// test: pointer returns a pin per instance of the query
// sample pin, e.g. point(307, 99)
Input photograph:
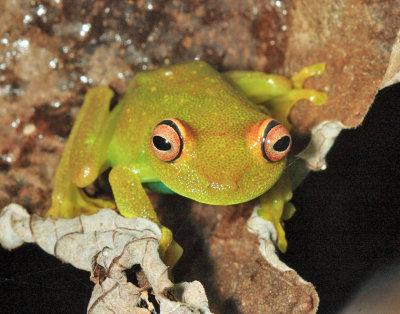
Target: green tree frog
point(188, 129)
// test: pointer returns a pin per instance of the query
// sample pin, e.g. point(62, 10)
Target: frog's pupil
point(161, 143)
point(282, 144)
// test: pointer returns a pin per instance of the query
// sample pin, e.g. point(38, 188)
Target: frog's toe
point(86, 205)
point(312, 70)
point(173, 254)
point(277, 234)
point(92, 207)
point(274, 213)
point(170, 251)
point(165, 241)
point(75, 204)
point(270, 229)
point(281, 241)
point(60, 210)
point(288, 211)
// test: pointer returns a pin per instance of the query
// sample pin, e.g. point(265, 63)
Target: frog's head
point(228, 162)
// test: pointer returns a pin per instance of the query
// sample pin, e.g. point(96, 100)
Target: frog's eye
point(166, 140)
point(276, 140)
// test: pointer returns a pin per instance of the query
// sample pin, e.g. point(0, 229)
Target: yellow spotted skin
point(221, 161)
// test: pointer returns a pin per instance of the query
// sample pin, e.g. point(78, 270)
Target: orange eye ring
point(166, 140)
point(276, 140)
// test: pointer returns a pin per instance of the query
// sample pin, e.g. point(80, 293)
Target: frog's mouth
point(212, 186)
point(215, 193)
point(224, 194)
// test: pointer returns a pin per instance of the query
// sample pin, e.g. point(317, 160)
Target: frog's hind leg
point(278, 93)
point(259, 87)
point(84, 158)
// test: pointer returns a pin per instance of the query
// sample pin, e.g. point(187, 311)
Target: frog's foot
point(273, 223)
point(313, 70)
point(275, 207)
point(173, 254)
point(88, 205)
point(78, 204)
point(274, 231)
point(266, 229)
point(170, 251)
point(288, 211)
point(281, 105)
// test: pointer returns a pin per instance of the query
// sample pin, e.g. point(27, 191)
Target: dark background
point(346, 226)
point(348, 219)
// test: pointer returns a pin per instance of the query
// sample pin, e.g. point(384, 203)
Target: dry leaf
point(106, 244)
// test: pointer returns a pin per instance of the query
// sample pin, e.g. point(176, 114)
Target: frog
point(216, 138)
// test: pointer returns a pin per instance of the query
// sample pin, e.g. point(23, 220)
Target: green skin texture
point(216, 166)
point(221, 162)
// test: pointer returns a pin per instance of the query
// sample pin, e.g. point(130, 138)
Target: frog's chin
point(233, 195)
point(221, 192)
point(223, 200)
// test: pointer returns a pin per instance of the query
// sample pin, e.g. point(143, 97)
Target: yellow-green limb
point(83, 158)
point(275, 207)
point(259, 87)
point(132, 201)
point(280, 106)
point(299, 78)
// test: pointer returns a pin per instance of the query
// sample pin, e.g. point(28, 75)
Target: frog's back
point(192, 92)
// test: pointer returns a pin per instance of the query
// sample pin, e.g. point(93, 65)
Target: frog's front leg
point(132, 201)
point(275, 206)
point(84, 157)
